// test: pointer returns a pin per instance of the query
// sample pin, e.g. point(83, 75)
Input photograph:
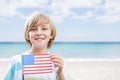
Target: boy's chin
point(39, 46)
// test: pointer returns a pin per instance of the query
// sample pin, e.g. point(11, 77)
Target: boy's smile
point(39, 38)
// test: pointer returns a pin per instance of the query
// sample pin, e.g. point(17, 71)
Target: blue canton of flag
point(28, 60)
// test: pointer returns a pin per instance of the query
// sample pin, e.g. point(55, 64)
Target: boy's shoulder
point(18, 57)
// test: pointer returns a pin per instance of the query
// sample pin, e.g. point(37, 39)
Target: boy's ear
point(51, 37)
point(28, 37)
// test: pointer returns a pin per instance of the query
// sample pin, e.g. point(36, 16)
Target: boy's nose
point(39, 31)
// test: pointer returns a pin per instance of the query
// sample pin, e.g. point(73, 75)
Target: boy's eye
point(44, 28)
point(33, 29)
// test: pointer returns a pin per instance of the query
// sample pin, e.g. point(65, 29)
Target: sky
point(75, 20)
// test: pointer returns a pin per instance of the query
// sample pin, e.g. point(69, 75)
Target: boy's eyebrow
point(45, 25)
point(33, 27)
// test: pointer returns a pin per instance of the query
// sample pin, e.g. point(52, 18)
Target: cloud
point(9, 8)
point(61, 9)
point(111, 10)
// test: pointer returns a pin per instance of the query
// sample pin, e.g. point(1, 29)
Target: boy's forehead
point(43, 24)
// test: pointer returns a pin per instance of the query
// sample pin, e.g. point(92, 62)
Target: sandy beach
point(94, 69)
point(84, 69)
point(3, 67)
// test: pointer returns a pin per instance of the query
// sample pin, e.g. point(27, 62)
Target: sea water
point(67, 49)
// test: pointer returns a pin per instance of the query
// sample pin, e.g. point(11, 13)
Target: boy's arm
point(61, 76)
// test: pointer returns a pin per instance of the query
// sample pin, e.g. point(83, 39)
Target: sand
point(94, 69)
point(84, 69)
point(3, 67)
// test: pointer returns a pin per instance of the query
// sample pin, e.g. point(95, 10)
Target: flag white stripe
point(37, 71)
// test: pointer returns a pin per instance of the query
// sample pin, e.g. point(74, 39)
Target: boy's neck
point(38, 51)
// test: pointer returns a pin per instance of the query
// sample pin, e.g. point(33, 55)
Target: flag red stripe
point(38, 57)
point(41, 60)
point(41, 54)
point(38, 72)
point(43, 63)
point(37, 66)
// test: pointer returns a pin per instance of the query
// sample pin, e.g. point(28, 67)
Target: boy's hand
point(58, 63)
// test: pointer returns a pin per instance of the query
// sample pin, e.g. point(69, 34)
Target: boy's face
point(39, 35)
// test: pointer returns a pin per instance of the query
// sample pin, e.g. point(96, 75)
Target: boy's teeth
point(39, 38)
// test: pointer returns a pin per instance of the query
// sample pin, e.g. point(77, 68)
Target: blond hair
point(39, 18)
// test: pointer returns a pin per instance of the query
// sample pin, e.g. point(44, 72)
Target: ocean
point(67, 49)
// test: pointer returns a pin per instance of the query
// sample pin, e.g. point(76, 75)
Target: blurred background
point(85, 28)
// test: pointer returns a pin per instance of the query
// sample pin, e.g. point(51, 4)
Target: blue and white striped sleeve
point(14, 71)
point(10, 71)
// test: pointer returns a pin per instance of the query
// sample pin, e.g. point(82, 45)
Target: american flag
point(37, 64)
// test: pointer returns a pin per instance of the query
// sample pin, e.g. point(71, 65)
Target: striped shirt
point(33, 67)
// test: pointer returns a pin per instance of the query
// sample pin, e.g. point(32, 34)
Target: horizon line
point(66, 42)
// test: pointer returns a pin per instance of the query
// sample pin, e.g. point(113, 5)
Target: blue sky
point(75, 20)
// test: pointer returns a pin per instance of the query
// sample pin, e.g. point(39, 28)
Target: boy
point(39, 33)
